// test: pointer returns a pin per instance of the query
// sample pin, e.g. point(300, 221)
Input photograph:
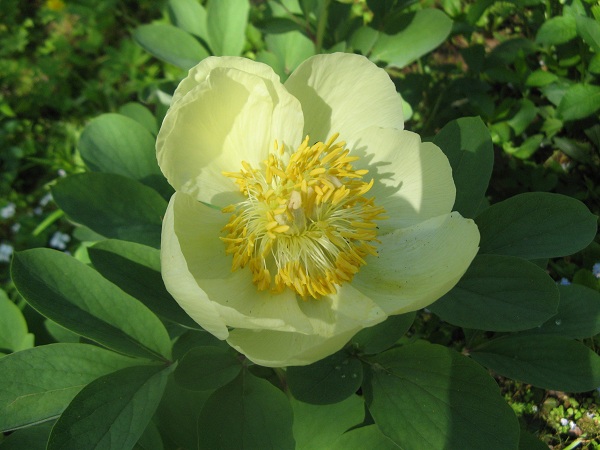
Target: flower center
point(305, 224)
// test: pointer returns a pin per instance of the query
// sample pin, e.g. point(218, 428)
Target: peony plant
point(303, 211)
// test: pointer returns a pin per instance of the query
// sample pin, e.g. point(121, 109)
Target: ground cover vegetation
point(517, 78)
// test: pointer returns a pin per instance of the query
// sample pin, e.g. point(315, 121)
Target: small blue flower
point(6, 251)
point(596, 270)
point(8, 211)
point(564, 282)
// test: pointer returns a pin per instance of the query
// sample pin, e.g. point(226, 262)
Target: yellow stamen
point(305, 225)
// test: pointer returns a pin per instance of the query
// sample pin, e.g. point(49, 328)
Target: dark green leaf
point(580, 101)
point(113, 206)
point(81, 300)
point(329, 380)
point(557, 30)
point(226, 22)
point(111, 412)
point(112, 143)
point(249, 413)
point(190, 16)
point(500, 293)
point(318, 426)
point(421, 32)
point(468, 146)
point(177, 415)
point(369, 437)
point(141, 115)
point(578, 313)
point(290, 48)
point(150, 439)
point(30, 438)
point(528, 441)
point(536, 225)
point(171, 44)
point(383, 335)
point(425, 396)
point(37, 384)
point(589, 30)
point(135, 268)
point(13, 327)
point(207, 368)
point(544, 360)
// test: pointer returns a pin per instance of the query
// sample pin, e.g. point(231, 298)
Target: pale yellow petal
point(418, 265)
point(345, 93)
point(230, 117)
point(413, 179)
point(280, 349)
point(176, 271)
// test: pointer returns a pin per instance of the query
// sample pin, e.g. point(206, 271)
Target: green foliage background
point(509, 90)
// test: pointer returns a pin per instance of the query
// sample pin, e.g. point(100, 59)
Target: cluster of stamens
point(305, 224)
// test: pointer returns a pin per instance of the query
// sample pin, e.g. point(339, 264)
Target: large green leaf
point(425, 396)
point(420, 33)
point(383, 335)
point(557, 30)
point(37, 384)
point(190, 16)
point(111, 412)
point(226, 22)
point(141, 115)
point(468, 145)
point(13, 327)
point(113, 143)
point(290, 49)
point(589, 30)
point(329, 380)
point(580, 101)
point(135, 268)
point(500, 293)
point(77, 297)
point(369, 437)
point(171, 44)
point(30, 438)
point(536, 225)
point(249, 413)
point(546, 361)
point(113, 206)
point(207, 368)
point(578, 313)
point(318, 426)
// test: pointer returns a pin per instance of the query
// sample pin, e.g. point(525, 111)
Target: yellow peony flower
point(303, 211)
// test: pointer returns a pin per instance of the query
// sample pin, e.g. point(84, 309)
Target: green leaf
point(539, 78)
point(468, 146)
point(290, 48)
point(425, 396)
point(135, 268)
point(177, 415)
point(30, 438)
point(249, 413)
point(13, 327)
point(113, 206)
point(544, 360)
point(421, 32)
point(369, 437)
point(111, 412)
point(578, 314)
point(207, 368)
point(536, 225)
point(383, 335)
point(589, 30)
point(226, 22)
point(500, 293)
point(81, 300)
point(170, 44)
point(141, 115)
point(528, 441)
point(557, 30)
point(150, 439)
point(37, 384)
point(329, 380)
point(363, 39)
point(580, 101)
point(112, 143)
point(318, 426)
point(189, 15)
